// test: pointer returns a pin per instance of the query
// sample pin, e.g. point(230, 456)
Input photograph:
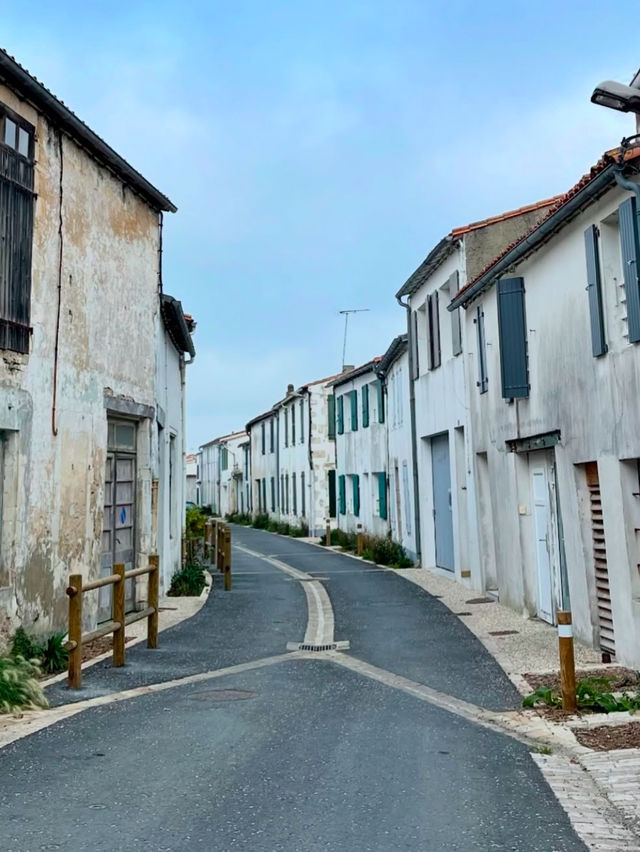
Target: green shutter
point(331, 410)
point(342, 495)
point(356, 495)
point(380, 401)
point(354, 410)
point(340, 415)
point(332, 493)
point(365, 406)
point(382, 494)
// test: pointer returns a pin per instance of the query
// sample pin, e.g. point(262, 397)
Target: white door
point(543, 532)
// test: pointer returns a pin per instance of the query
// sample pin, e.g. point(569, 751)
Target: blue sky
point(318, 150)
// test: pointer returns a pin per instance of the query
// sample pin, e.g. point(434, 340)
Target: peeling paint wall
point(54, 483)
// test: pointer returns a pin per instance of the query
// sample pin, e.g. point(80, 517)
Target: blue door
point(442, 514)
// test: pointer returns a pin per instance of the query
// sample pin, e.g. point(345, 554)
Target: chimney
point(347, 368)
point(289, 389)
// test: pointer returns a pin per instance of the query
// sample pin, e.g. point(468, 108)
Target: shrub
point(19, 687)
point(592, 693)
point(55, 656)
point(189, 581)
point(194, 522)
point(241, 518)
point(388, 552)
point(261, 521)
point(25, 646)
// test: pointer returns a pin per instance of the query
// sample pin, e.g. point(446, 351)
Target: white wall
point(401, 490)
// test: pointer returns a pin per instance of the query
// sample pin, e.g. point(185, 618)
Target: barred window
point(16, 229)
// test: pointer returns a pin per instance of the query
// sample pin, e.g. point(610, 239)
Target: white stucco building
point(263, 455)
point(554, 418)
point(80, 333)
point(393, 369)
point(224, 482)
point(447, 535)
point(361, 450)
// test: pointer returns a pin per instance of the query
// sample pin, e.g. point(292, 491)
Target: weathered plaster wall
point(401, 491)
point(52, 518)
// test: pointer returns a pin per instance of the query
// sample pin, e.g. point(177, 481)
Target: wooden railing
point(119, 619)
point(217, 539)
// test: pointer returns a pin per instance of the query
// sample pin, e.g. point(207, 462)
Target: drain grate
point(480, 600)
point(503, 632)
point(304, 647)
point(463, 613)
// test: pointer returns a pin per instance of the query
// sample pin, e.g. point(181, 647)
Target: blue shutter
point(342, 495)
point(594, 288)
point(365, 406)
point(628, 218)
point(341, 415)
point(354, 410)
point(356, 495)
point(380, 390)
point(513, 338)
point(382, 494)
point(331, 413)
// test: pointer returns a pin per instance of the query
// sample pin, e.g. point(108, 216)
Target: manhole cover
point(223, 695)
point(480, 600)
point(503, 632)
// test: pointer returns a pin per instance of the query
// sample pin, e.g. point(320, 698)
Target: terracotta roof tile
point(529, 208)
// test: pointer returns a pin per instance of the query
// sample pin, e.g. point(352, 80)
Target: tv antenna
point(346, 323)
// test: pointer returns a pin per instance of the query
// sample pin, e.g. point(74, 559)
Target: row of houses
point(498, 438)
point(93, 356)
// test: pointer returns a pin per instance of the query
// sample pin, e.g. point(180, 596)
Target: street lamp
point(617, 96)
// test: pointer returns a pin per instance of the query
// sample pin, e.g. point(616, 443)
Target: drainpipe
point(625, 183)
point(414, 437)
point(311, 510)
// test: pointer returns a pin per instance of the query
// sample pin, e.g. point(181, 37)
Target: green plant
point(189, 581)
point(55, 656)
point(543, 695)
point(261, 521)
point(592, 693)
point(25, 646)
point(241, 518)
point(19, 687)
point(194, 523)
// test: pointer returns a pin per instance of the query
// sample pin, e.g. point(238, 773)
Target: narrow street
point(375, 746)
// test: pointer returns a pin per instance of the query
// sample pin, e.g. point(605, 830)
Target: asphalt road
point(298, 755)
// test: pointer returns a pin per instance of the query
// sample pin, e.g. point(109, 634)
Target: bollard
point(154, 587)
point(74, 591)
point(360, 540)
point(227, 559)
point(567, 662)
point(327, 533)
point(118, 615)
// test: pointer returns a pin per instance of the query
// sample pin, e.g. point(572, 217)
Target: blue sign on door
point(123, 515)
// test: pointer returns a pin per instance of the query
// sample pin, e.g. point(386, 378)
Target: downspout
point(414, 437)
point(56, 350)
point(625, 183)
point(312, 490)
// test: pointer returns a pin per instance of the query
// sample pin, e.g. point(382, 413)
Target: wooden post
point(567, 662)
point(118, 615)
point(327, 533)
point(220, 548)
point(74, 590)
point(154, 587)
point(184, 551)
point(360, 540)
point(227, 559)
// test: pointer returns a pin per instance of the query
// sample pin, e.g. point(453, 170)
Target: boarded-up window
point(16, 229)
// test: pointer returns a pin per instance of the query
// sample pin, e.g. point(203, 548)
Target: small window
point(24, 142)
point(10, 129)
point(122, 436)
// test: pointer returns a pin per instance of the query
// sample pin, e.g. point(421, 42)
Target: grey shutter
point(594, 288)
point(456, 328)
point(415, 367)
point(483, 377)
point(513, 338)
point(431, 347)
point(629, 244)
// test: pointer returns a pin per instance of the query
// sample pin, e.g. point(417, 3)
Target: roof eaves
point(18, 78)
point(587, 190)
point(432, 261)
point(176, 325)
point(369, 367)
point(398, 347)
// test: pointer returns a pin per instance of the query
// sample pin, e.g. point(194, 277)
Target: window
point(382, 495)
point(293, 425)
point(262, 431)
point(342, 494)
point(271, 435)
point(512, 330)
point(16, 229)
point(224, 458)
point(483, 378)
point(630, 250)
point(294, 495)
point(594, 289)
point(365, 406)
point(286, 426)
point(353, 397)
point(331, 415)
point(340, 416)
point(303, 496)
point(302, 421)
point(433, 326)
point(273, 494)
